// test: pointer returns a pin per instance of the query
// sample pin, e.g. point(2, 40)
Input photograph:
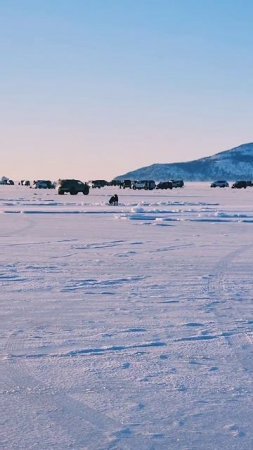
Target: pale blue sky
point(95, 88)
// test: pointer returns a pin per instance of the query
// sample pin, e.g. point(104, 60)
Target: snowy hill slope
point(233, 164)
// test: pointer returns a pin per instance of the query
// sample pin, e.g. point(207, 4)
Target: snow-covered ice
point(126, 327)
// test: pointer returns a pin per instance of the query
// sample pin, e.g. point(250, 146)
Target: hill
point(233, 164)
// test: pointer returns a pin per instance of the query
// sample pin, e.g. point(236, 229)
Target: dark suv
point(239, 185)
point(72, 186)
point(177, 183)
point(164, 185)
point(220, 184)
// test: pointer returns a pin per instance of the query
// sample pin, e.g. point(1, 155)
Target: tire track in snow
point(29, 223)
point(85, 426)
point(240, 342)
point(67, 413)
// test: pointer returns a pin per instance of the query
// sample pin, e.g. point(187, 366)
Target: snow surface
point(126, 327)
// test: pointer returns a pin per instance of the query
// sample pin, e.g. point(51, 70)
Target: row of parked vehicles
point(73, 186)
point(38, 184)
point(137, 184)
point(241, 184)
point(149, 185)
point(63, 186)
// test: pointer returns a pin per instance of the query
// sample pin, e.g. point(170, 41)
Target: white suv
point(144, 184)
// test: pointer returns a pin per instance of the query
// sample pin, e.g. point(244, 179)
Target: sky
point(95, 88)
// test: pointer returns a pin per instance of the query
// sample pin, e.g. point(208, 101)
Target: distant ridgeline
point(233, 164)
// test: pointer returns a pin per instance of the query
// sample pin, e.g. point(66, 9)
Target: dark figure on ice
point(114, 200)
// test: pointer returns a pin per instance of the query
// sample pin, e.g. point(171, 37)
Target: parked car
point(177, 183)
point(164, 185)
point(6, 181)
point(72, 187)
point(150, 185)
point(98, 183)
point(144, 184)
point(115, 183)
point(249, 183)
point(239, 185)
point(220, 184)
point(43, 184)
point(138, 184)
point(127, 184)
point(25, 183)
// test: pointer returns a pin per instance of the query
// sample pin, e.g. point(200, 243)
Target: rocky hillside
point(233, 164)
